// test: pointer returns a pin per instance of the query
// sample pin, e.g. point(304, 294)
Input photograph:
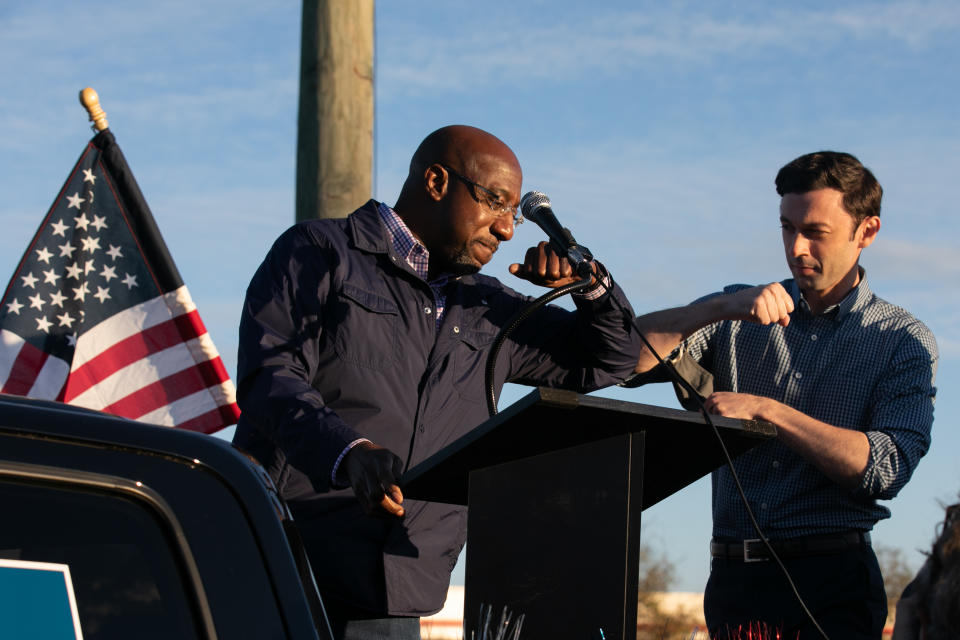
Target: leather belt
point(755, 550)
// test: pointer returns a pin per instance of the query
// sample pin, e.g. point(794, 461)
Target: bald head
point(459, 146)
point(460, 178)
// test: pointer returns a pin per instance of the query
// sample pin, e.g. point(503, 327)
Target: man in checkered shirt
point(848, 380)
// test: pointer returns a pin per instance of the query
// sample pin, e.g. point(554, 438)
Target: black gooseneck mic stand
point(535, 206)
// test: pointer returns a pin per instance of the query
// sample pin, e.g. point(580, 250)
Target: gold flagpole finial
point(91, 102)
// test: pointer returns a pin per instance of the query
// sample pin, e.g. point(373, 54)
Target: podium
point(555, 485)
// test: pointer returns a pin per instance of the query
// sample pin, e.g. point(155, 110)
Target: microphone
point(535, 206)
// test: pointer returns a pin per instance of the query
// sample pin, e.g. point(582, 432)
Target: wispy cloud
point(171, 66)
point(609, 42)
point(917, 262)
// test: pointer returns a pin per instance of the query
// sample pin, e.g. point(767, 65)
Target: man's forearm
point(664, 330)
point(841, 454)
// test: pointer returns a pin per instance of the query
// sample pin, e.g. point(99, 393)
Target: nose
point(502, 227)
point(795, 244)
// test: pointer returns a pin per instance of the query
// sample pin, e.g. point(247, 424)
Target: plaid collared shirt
point(862, 364)
point(416, 255)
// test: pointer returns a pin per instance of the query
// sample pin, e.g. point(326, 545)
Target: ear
point(436, 182)
point(867, 232)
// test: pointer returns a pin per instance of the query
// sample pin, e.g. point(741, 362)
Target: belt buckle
point(746, 551)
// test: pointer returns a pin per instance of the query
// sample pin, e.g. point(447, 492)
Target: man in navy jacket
point(362, 350)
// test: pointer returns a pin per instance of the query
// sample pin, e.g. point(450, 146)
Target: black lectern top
point(680, 446)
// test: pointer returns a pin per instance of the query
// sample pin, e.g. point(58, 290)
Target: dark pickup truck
point(149, 532)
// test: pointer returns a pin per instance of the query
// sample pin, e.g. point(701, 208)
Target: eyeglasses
point(491, 198)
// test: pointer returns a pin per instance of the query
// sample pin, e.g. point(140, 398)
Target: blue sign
point(37, 602)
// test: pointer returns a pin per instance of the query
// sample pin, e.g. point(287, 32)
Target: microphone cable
point(538, 203)
point(676, 377)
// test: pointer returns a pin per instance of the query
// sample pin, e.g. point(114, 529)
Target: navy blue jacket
point(336, 344)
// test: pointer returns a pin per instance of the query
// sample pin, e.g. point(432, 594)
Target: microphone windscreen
point(531, 202)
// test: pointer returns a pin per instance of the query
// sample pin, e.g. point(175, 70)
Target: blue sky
point(655, 128)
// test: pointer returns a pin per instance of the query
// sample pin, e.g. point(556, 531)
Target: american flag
point(97, 315)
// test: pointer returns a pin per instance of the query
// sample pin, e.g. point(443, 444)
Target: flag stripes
point(164, 391)
point(171, 358)
point(28, 371)
point(96, 313)
point(131, 351)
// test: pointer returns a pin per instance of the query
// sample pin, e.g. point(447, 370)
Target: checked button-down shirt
point(862, 364)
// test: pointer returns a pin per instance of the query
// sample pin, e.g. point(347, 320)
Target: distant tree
point(897, 573)
point(657, 574)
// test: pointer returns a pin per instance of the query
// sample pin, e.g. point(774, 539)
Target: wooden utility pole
point(335, 123)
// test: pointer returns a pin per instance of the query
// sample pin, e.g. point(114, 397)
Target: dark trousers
point(844, 591)
point(350, 623)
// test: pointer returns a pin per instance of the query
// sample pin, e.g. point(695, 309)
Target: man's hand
point(543, 266)
point(766, 304)
point(742, 406)
point(373, 473)
point(842, 454)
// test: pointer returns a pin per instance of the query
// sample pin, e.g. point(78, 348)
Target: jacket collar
point(366, 230)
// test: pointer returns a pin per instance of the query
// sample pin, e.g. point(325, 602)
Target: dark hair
point(834, 170)
point(928, 607)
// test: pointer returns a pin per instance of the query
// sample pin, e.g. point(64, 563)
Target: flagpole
point(91, 102)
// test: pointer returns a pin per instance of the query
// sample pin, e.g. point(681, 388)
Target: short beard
point(460, 264)
point(463, 269)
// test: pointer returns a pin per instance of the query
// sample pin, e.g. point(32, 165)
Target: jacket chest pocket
point(470, 361)
point(366, 328)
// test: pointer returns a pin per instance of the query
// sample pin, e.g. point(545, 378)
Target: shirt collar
point(855, 299)
point(403, 241)
point(407, 246)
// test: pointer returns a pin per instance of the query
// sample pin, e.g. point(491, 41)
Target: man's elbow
point(645, 362)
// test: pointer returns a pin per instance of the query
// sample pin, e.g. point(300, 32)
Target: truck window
point(126, 573)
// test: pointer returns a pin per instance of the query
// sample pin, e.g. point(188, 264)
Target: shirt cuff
point(336, 482)
point(600, 287)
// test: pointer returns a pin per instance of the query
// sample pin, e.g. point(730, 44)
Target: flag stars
point(82, 221)
point(89, 177)
point(99, 222)
point(74, 270)
point(79, 293)
point(88, 267)
point(66, 250)
point(72, 339)
point(43, 324)
point(29, 280)
point(114, 252)
point(108, 273)
point(102, 294)
point(57, 298)
point(59, 229)
point(14, 307)
point(36, 302)
point(91, 244)
point(50, 277)
point(130, 281)
point(75, 200)
point(44, 255)
point(66, 320)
